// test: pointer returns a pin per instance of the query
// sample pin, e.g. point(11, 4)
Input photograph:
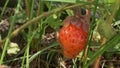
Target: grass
point(47, 17)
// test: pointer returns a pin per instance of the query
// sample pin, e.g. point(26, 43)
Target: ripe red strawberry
point(73, 36)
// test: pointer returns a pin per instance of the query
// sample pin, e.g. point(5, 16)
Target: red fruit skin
point(72, 37)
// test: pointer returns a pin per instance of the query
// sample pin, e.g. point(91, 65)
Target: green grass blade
point(39, 52)
point(4, 8)
point(68, 1)
point(9, 33)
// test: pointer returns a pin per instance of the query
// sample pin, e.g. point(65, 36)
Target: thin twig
point(97, 62)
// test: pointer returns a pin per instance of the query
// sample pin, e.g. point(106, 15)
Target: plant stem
point(115, 8)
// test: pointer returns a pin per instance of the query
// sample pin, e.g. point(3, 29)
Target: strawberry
point(73, 36)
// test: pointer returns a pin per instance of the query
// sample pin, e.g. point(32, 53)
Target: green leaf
point(105, 29)
point(109, 1)
point(53, 21)
point(69, 12)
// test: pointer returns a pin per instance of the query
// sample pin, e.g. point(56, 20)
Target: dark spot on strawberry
point(73, 40)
